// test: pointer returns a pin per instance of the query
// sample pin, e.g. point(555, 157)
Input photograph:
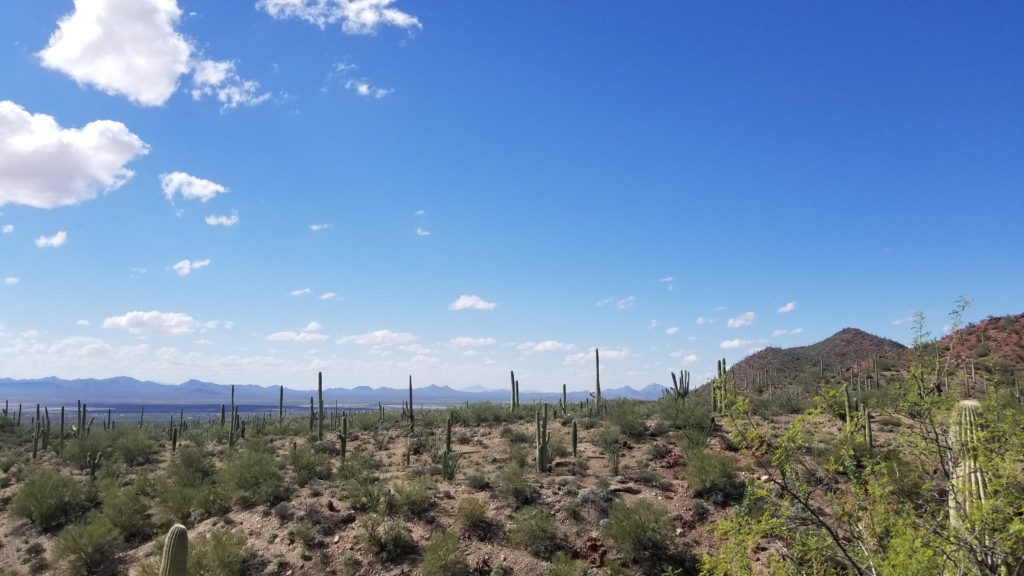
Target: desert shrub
point(367, 493)
point(126, 508)
point(513, 483)
point(471, 516)
point(692, 413)
point(640, 531)
point(477, 480)
point(219, 553)
point(609, 440)
point(519, 454)
point(787, 401)
point(712, 476)
point(587, 423)
point(660, 428)
point(174, 503)
point(49, 499)
point(252, 477)
point(7, 462)
point(78, 450)
point(515, 435)
point(564, 565)
point(443, 557)
point(557, 447)
point(534, 530)
point(91, 546)
point(305, 535)
point(479, 413)
point(135, 446)
point(389, 541)
point(658, 450)
point(309, 465)
point(628, 417)
point(190, 467)
point(356, 464)
point(450, 465)
point(413, 496)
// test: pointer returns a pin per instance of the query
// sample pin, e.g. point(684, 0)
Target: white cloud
point(355, 16)
point(83, 323)
point(901, 321)
point(152, 323)
point(329, 296)
point(736, 343)
point(219, 79)
point(603, 302)
point(7, 228)
point(45, 166)
point(186, 267)
point(300, 292)
point(469, 342)
point(126, 47)
point(365, 89)
point(789, 307)
point(653, 324)
point(626, 302)
point(421, 231)
point(319, 227)
point(379, 338)
point(784, 332)
point(11, 280)
point(471, 302)
point(225, 220)
point(420, 212)
point(550, 346)
point(588, 356)
point(55, 241)
point(745, 319)
point(311, 333)
point(702, 320)
point(669, 281)
point(687, 356)
point(189, 187)
point(672, 330)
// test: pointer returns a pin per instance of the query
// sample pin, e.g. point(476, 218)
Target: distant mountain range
point(126, 390)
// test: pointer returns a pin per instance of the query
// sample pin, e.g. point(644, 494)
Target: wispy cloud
point(702, 320)
point(186, 267)
point(671, 330)
point(55, 241)
point(626, 302)
point(745, 319)
point(364, 88)
point(329, 296)
point(469, 342)
point(356, 16)
point(788, 307)
point(319, 227)
point(300, 292)
point(379, 338)
point(421, 231)
point(225, 220)
point(11, 280)
point(152, 323)
point(784, 332)
point(687, 356)
point(7, 228)
point(669, 282)
point(471, 302)
point(218, 78)
point(736, 343)
point(311, 333)
point(546, 346)
point(189, 187)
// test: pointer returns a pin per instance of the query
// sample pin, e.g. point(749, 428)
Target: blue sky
point(251, 192)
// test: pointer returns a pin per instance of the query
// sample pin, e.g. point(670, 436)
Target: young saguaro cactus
point(174, 561)
point(575, 438)
point(542, 439)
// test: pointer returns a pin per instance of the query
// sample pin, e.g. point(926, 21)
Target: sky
point(251, 192)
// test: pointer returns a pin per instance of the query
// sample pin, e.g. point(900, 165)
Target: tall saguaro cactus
point(280, 405)
point(320, 399)
point(681, 386)
point(174, 561)
point(412, 418)
point(542, 439)
point(968, 486)
point(596, 394)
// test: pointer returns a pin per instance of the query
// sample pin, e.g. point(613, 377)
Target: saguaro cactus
point(174, 561)
point(680, 386)
point(597, 382)
point(575, 438)
point(280, 405)
point(412, 417)
point(869, 438)
point(343, 436)
point(968, 486)
point(320, 398)
point(542, 439)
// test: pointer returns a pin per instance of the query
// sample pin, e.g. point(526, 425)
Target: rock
point(764, 478)
point(628, 489)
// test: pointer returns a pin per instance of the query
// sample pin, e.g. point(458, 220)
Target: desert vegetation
point(897, 462)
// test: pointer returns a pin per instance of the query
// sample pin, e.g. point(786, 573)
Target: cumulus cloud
point(588, 356)
point(788, 307)
point(225, 220)
point(319, 227)
point(784, 332)
point(7, 228)
point(364, 88)
point(421, 231)
point(55, 241)
point(152, 323)
point(468, 342)
point(218, 78)
point(745, 319)
point(672, 330)
point(11, 280)
point(329, 296)
point(300, 292)
point(379, 338)
point(186, 267)
point(311, 333)
point(687, 356)
point(546, 346)
point(82, 323)
point(471, 302)
point(736, 343)
point(125, 47)
point(43, 165)
point(356, 16)
point(190, 187)
point(420, 212)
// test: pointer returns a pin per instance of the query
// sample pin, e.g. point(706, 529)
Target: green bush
point(477, 480)
point(628, 417)
point(609, 440)
point(787, 401)
point(190, 467)
point(413, 496)
point(534, 530)
point(367, 493)
point(49, 499)
point(175, 504)
point(389, 541)
point(134, 445)
point(443, 557)
point(712, 476)
point(309, 465)
point(471, 516)
point(126, 508)
point(252, 477)
point(513, 483)
point(564, 565)
point(641, 531)
point(91, 546)
point(219, 553)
